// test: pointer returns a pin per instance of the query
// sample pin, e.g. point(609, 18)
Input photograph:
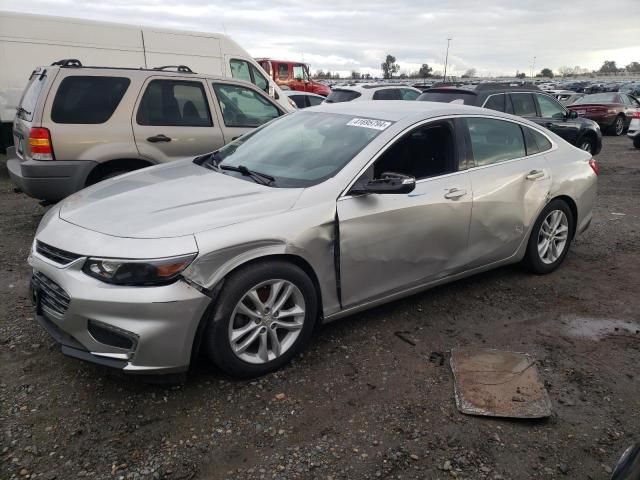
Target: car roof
point(396, 110)
point(372, 86)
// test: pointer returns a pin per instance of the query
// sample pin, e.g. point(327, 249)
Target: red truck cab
point(294, 75)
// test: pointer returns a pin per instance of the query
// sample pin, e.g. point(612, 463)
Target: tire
point(587, 144)
point(258, 281)
point(550, 260)
point(617, 127)
point(636, 141)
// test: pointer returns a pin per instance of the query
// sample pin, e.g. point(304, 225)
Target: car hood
point(171, 200)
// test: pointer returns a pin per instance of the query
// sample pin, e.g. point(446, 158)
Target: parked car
point(631, 88)
point(304, 99)
point(312, 217)
point(294, 75)
point(612, 111)
point(27, 40)
point(79, 125)
point(372, 91)
point(634, 129)
point(565, 97)
point(529, 102)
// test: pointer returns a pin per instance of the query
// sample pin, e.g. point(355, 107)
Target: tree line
point(389, 68)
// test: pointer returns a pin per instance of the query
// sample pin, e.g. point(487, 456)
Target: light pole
point(446, 60)
point(533, 66)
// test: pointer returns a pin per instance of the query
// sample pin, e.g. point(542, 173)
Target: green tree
point(633, 67)
point(520, 75)
point(546, 73)
point(389, 67)
point(425, 71)
point(609, 66)
point(470, 73)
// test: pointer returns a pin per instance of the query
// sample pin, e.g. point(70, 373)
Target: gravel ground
point(360, 402)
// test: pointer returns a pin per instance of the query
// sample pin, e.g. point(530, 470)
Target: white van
point(29, 40)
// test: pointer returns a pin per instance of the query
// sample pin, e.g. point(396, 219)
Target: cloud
point(493, 36)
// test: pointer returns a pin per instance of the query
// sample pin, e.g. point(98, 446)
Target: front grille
point(54, 254)
point(52, 297)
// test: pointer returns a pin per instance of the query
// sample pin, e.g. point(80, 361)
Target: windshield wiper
point(258, 177)
point(22, 110)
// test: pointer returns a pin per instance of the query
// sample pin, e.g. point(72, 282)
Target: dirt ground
point(361, 402)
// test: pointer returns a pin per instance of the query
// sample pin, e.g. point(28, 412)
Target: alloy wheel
point(553, 236)
point(619, 126)
point(266, 321)
point(586, 146)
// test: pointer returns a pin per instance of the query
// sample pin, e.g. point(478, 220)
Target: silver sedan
point(314, 216)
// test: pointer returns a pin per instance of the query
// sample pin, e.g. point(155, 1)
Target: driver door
point(392, 242)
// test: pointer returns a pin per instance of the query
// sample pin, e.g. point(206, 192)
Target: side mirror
point(572, 114)
point(389, 182)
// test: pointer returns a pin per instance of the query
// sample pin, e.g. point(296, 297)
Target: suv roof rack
point(179, 68)
point(507, 86)
point(68, 63)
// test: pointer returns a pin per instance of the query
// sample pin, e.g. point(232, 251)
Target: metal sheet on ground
point(498, 384)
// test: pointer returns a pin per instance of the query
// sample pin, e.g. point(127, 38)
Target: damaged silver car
point(312, 217)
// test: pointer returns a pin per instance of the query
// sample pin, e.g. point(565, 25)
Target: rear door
point(172, 119)
point(509, 187)
point(242, 108)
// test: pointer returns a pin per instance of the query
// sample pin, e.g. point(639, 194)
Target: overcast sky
point(495, 37)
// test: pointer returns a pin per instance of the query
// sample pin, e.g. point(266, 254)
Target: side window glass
point(240, 69)
point(87, 99)
point(387, 94)
point(174, 103)
point(495, 102)
point(283, 71)
point(427, 151)
point(261, 82)
point(313, 101)
point(409, 94)
point(549, 108)
point(298, 72)
point(244, 107)
point(508, 104)
point(494, 141)
point(298, 100)
point(530, 141)
point(543, 142)
point(523, 104)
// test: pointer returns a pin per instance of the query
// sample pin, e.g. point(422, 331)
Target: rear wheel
point(636, 141)
point(265, 315)
point(550, 238)
point(617, 128)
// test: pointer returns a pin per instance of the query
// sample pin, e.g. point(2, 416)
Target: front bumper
point(50, 180)
point(161, 321)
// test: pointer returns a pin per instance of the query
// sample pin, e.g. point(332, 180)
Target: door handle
point(158, 138)
point(535, 175)
point(455, 193)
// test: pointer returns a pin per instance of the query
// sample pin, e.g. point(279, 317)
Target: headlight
point(160, 271)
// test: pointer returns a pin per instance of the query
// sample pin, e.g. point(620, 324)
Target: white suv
point(378, 91)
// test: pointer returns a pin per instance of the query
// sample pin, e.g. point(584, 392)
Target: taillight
point(636, 114)
point(40, 142)
point(593, 163)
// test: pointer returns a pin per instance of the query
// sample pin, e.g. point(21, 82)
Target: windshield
point(598, 98)
point(301, 149)
point(339, 96)
point(468, 98)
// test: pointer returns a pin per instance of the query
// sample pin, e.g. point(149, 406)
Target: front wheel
point(550, 238)
point(265, 315)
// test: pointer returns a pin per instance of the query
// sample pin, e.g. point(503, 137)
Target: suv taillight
point(593, 163)
point(40, 142)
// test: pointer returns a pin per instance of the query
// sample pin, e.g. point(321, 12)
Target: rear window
point(31, 94)
point(467, 98)
point(338, 96)
point(88, 99)
point(387, 94)
point(599, 98)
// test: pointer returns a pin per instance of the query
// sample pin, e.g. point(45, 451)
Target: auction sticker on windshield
point(369, 123)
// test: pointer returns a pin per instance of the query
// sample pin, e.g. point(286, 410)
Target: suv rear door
point(173, 119)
